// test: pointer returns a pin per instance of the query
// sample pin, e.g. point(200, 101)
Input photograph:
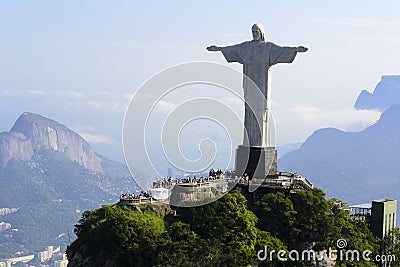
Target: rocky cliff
point(386, 94)
point(32, 133)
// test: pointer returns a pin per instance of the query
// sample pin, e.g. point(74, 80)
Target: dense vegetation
point(227, 232)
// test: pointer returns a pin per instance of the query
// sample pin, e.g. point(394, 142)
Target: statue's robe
point(257, 58)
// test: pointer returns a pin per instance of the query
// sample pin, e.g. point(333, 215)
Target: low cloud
point(98, 100)
point(97, 138)
point(344, 118)
point(127, 96)
point(106, 105)
point(296, 123)
point(36, 92)
point(69, 94)
point(164, 107)
point(102, 93)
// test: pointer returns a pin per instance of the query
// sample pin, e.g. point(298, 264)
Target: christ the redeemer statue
point(257, 157)
point(257, 56)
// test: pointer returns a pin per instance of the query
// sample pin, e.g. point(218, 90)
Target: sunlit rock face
point(32, 133)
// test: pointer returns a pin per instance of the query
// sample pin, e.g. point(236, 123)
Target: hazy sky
point(79, 62)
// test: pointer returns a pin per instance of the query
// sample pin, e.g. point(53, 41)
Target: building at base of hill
point(379, 214)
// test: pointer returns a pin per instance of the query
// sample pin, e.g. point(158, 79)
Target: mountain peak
point(34, 118)
point(42, 133)
point(27, 120)
point(386, 93)
point(346, 162)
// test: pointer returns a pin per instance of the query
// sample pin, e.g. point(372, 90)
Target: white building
point(4, 226)
point(50, 251)
point(10, 262)
point(57, 250)
point(61, 263)
point(5, 264)
point(43, 256)
point(5, 211)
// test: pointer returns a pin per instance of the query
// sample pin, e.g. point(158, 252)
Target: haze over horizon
point(80, 64)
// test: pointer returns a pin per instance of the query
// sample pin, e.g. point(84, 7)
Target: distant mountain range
point(51, 174)
point(356, 167)
point(386, 94)
point(286, 148)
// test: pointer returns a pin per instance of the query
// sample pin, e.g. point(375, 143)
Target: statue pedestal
point(256, 162)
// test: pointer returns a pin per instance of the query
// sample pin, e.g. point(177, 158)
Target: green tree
point(391, 246)
point(265, 244)
point(276, 215)
point(312, 218)
point(115, 234)
point(228, 224)
point(180, 249)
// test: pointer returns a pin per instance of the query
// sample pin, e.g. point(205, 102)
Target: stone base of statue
point(256, 162)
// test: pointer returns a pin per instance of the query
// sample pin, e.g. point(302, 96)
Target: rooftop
point(361, 206)
point(383, 200)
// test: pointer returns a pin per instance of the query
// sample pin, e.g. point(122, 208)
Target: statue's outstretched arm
point(231, 53)
point(301, 49)
point(213, 48)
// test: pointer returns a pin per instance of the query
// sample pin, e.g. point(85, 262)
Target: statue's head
point(258, 32)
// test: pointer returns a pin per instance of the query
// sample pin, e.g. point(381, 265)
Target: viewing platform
point(132, 199)
point(181, 190)
point(286, 182)
point(283, 181)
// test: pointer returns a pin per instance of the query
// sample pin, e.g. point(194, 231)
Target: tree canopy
point(226, 232)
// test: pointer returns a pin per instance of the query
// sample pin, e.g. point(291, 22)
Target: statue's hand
point(213, 48)
point(301, 49)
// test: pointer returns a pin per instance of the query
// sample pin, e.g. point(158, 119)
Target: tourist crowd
point(169, 181)
point(142, 195)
